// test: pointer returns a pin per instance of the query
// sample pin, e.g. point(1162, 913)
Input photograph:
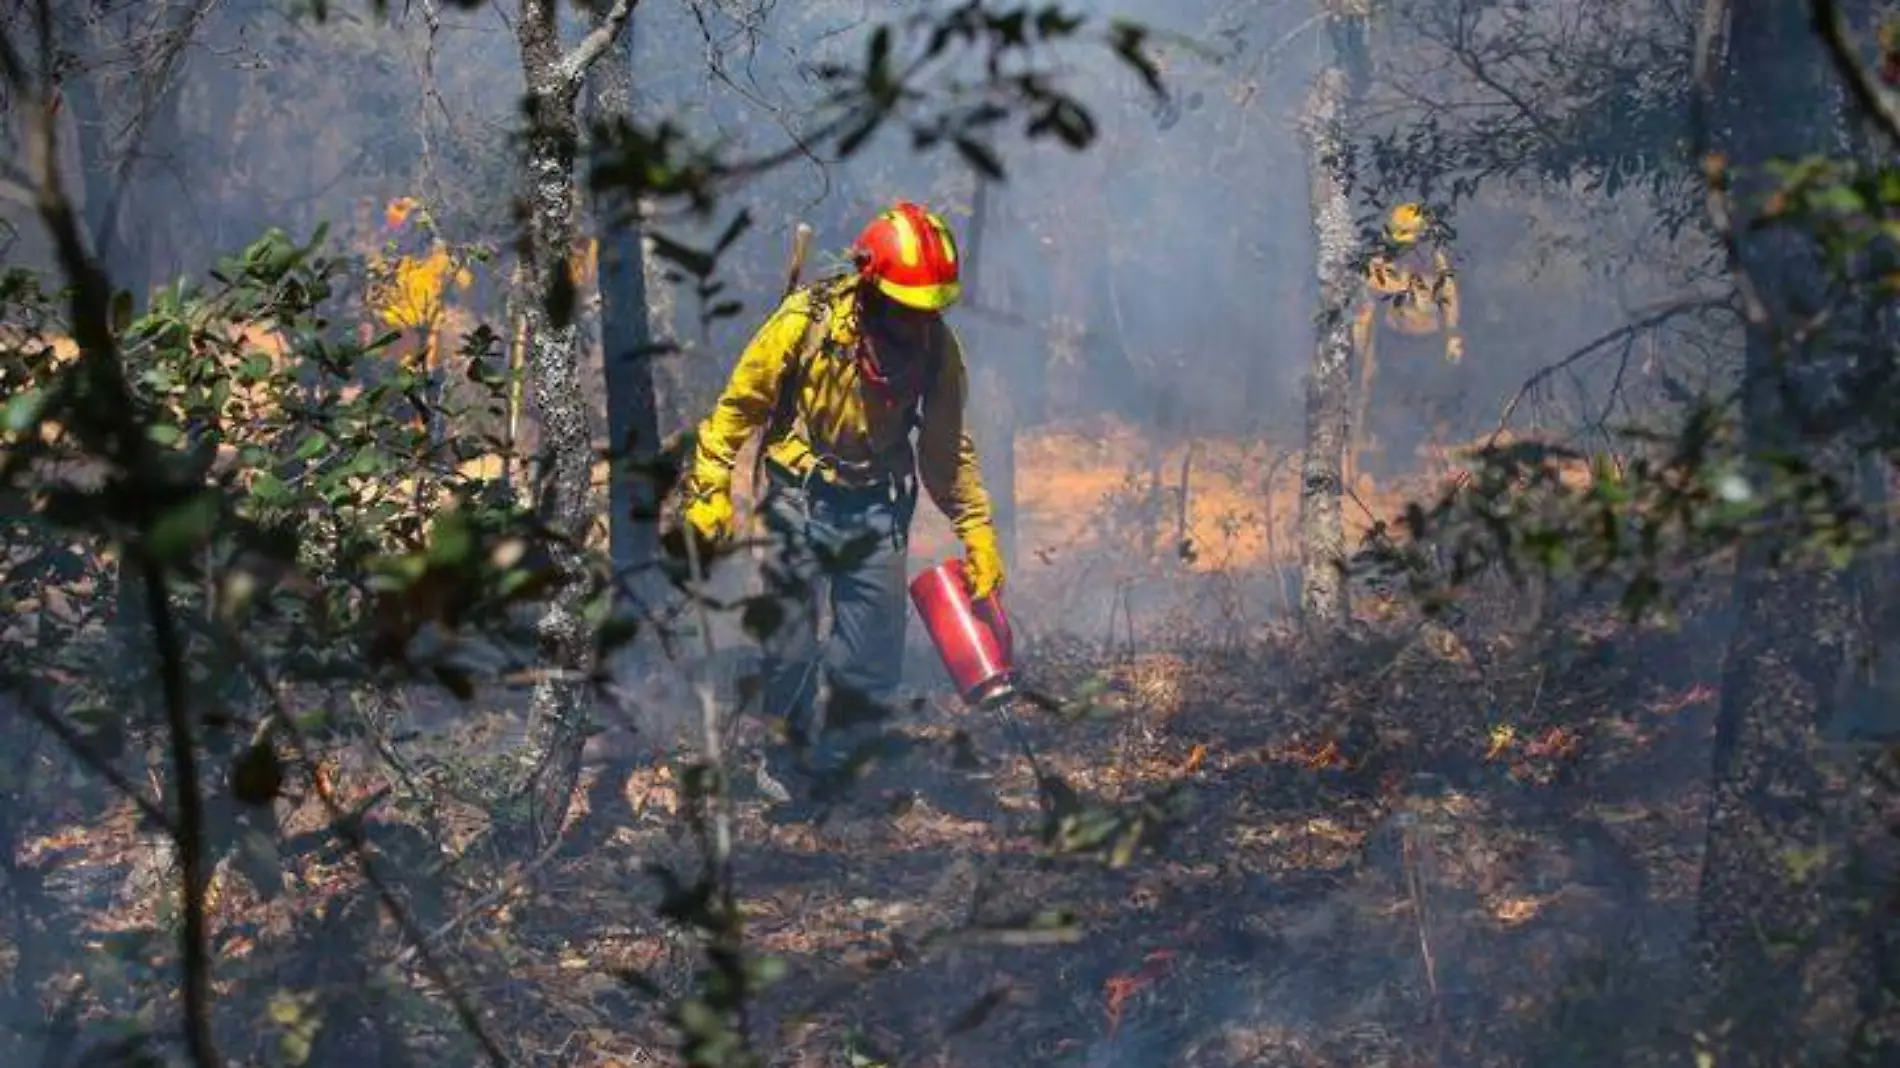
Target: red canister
point(973, 637)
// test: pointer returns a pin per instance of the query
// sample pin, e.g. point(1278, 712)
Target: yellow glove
point(709, 515)
point(1454, 349)
point(982, 562)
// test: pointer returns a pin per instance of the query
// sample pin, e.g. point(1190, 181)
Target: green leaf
point(452, 540)
point(981, 157)
point(1053, 23)
point(256, 367)
point(164, 434)
point(23, 409)
point(183, 527)
point(767, 970)
point(739, 225)
point(312, 446)
point(1128, 39)
point(269, 489)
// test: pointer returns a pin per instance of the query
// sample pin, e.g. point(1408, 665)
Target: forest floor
point(1412, 850)
point(1407, 849)
point(1375, 871)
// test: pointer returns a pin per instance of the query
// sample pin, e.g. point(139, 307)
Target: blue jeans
point(850, 547)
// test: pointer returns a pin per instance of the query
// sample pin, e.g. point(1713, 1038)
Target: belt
point(819, 483)
point(836, 477)
point(834, 473)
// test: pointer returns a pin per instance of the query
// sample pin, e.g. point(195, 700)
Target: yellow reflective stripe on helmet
point(908, 247)
point(925, 298)
point(943, 235)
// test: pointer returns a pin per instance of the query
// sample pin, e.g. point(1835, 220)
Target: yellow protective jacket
point(1418, 291)
point(838, 415)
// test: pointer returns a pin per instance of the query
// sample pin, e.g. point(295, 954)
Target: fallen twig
point(281, 720)
point(78, 746)
point(481, 904)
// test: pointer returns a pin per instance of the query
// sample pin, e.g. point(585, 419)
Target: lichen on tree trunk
point(546, 766)
point(1324, 601)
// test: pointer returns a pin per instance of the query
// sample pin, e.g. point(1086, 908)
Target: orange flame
point(1118, 989)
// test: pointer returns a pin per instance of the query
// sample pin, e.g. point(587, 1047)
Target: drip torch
point(973, 637)
point(977, 646)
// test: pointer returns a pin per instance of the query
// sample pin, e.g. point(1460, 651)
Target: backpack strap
point(785, 404)
point(940, 341)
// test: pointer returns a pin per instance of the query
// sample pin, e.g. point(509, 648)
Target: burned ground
point(1473, 851)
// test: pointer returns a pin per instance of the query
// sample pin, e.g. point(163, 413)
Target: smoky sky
point(1178, 245)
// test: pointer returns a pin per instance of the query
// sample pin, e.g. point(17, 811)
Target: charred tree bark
point(549, 762)
point(1775, 937)
point(626, 335)
point(1327, 122)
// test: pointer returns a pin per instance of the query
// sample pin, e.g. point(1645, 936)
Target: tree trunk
point(1774, 936)
point(996, 416)
point(549, 764)
point(1330, 108)
point(626, 335)
point(516, 303)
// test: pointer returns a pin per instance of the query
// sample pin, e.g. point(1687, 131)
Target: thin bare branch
point(191, 819)
point(1715, 173)
point(591, 47)
point(1595, 345)
point(77, 744)
point(283, 721)
point(89, 307)
point(480, 905)
point(158, 73)
point(1871, 98)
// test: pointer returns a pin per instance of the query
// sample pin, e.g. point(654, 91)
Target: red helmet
point(908, 252)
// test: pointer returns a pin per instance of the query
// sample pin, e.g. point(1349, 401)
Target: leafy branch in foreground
point(1530, 508)
point(262, 475)
point(1685, 498)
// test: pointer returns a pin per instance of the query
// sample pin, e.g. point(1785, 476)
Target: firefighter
point(838, 381)
point(1411, 287)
